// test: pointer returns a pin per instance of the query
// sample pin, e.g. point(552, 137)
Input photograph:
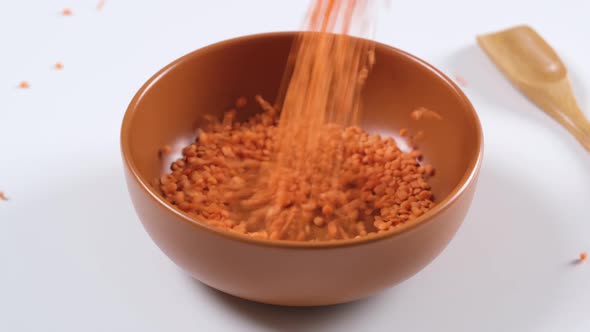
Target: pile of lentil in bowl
point(228, 179)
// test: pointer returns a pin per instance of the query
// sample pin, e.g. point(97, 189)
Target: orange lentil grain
point(66, 12)
point(328, 210)
point(58, 66)
point(583, 256)
point(416, 114)
point(166, 149)
point(2, 196)
point(318, 221)
point(461, 80)
point(100, 4)
point(425, 113)
point(241, 102)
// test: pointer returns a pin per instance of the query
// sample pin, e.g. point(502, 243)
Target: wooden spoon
point(534, 67)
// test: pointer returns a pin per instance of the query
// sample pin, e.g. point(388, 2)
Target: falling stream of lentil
point(319, 96)
point(302, 169)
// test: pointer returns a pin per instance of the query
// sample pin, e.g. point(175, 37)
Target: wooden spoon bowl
point(536, 69)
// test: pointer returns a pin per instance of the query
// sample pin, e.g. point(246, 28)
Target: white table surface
point(74, 257)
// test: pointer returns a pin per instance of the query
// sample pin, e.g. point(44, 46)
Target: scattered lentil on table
point(100, 5)
point(461, 80)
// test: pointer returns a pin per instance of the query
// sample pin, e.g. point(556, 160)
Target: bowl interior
point(169, 108)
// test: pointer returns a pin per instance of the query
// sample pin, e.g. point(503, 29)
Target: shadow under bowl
point(167, 109)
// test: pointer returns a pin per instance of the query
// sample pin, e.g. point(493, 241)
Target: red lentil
point(166, 149)
point(100, 5)
point(241, 102)
point(222, 179)
point(424, 113)
point(461, 80)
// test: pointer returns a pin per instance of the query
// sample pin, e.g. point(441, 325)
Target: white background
point(74, 257)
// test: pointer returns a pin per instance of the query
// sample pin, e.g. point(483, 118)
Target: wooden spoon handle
point(557, 100)
point(576, 124)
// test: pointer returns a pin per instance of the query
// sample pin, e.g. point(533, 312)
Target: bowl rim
point(467, 178)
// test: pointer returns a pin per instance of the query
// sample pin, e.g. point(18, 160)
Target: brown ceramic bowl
point(166, 108)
